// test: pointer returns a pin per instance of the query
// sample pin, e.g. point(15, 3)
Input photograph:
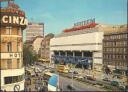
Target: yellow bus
point(63, 68)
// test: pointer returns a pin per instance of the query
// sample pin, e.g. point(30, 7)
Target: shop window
point(8, 80)
point(13, 79)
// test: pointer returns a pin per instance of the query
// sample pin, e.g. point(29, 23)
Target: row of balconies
point(9, 38)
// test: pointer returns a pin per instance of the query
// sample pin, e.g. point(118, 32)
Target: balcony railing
point(8, 38)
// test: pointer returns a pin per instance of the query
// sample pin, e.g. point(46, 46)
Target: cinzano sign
point(17, 20)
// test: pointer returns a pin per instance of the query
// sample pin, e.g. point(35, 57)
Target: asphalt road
point(63, 82)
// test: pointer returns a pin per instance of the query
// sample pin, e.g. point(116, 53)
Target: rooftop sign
point(86, 22)
point(82, 25)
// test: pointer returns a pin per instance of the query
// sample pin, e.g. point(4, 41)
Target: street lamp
point(72, 72)
point(72, 75)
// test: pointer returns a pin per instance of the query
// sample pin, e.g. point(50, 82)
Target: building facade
point(45, 47)
point(115, 49)
point(33, 30)
point(13, 22)
point(81, 43)
point(36, 44)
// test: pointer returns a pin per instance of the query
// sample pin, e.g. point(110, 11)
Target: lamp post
point(72, 74)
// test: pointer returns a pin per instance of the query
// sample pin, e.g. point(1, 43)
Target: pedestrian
point(29, 89)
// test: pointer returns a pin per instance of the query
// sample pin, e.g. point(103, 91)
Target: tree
point(50, 35)
point(29, 56)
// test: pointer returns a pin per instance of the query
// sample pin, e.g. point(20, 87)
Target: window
point(125, 57)
point(8, 80)
point(113, 56)
point(19, 47)
point(13, 79)
point(9, 64)
point(19, 31)
point(18, 63)
point(8, 30)
point(125, 43)
point(9, 47)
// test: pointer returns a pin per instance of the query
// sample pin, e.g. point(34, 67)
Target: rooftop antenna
point(6, 1)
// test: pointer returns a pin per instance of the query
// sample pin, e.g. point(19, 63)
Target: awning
point(53, 80)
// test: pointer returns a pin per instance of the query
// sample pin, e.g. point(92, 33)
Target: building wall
point(33, 30)
point(11, 61)
point(115, 49)
point(91, 41)
point(8, 73)
point(37, 44)
point(45, 47)
point(11, 58)
point(88, 41)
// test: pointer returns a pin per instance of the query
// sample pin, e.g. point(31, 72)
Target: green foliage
point(29, 56)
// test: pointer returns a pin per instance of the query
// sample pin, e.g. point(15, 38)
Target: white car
point(38, 70)
point(71, 71)
point(78, 77)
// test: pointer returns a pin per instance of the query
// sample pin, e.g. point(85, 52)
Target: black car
point(52, 71)
point(75, 72)
point(70, 87)
point(114, 83)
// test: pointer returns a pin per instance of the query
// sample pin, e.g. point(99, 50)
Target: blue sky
point(58, 15)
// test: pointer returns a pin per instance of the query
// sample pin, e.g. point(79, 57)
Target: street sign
point(17, 88)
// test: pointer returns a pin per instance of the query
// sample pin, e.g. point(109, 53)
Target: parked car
point(70, 71)
point(78, 77)
point(70, 87)
point(52, 71)
point(106, 79)
point(114, 83)
point(75, 72)
point(126, 88)
point(90, 77)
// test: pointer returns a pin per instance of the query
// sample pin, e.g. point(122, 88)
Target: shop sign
point(17, 20)
point(14, 55)
point(10, 55)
